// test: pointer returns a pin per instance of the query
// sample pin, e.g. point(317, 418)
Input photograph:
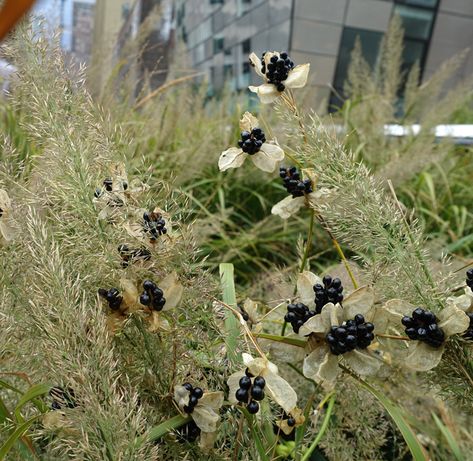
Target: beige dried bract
point(321, 365)
point(316, 199)
point(172, 292)
point(206, 412)
point(418, 355)
point(268, 92)
point(277, 388)
point(266, 159)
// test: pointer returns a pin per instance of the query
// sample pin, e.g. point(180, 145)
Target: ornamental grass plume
point(108, 314)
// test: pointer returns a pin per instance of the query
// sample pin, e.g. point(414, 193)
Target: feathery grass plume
point(374, 102)
point(368, 220)
point(56, 330)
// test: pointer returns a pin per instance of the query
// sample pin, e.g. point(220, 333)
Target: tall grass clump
point(122, 341)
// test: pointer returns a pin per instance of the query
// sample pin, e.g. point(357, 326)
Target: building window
point(228, 52)
point(246, 68)
point(246, 46)
point(228, 70)
point(216, 2)
point(218, 45)
point(417, 22)
point(421, 3)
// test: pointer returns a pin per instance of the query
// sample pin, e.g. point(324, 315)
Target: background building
point(219, 34)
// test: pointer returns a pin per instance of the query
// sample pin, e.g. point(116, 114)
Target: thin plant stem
point(339, 250)
point(309, 241)
point(248, 332)
point(323, 428)
point(400, 338)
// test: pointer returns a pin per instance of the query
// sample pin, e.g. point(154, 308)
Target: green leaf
point(417, 450)
point(232, 326)
point(447, 433)
point(31, 394)
point(16, 435)
point(158, 431)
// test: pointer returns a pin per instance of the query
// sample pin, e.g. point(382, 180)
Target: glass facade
point(417, 18)
point(370, 42)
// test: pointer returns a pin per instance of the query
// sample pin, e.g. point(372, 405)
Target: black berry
point(145, 299)
point(197, 392)
point(252, 407)
point(245, 382)
point(469, 278)
point(188, 386)
point(423, 326)
point(257, 393)
point(112, 296)
point(242, 395)
point(291, 422)
point(251, 142)
point(297, 315)
point(330, 292)
point(152, 295)
point(293, 183)
point(259, 381)
point(352, 334)
point(277, 69)
point(154, 225)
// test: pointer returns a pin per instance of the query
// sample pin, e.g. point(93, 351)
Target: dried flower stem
point(245, 327)
point(339, 250)
point(400, 338)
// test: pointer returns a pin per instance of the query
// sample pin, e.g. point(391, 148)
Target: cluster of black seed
point(330, 292)
point(152, 296)
point(277, 69)
point(112, 296)
point(1, 212)
point(188, 433)
point(154, 224)
point(250, 392)
point(423, 326)
point(251, 142)
point(297, 315)
point(130, 255)
point(293, 183)
point(195, 394)
point(351, 334)
point(108, 185)
point(62, 398)
point(469, 277)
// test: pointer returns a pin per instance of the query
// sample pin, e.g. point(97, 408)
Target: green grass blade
point(447, 433)
point(16, 435)
point(232, 325)
point(158, 431)
point(31, 394)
